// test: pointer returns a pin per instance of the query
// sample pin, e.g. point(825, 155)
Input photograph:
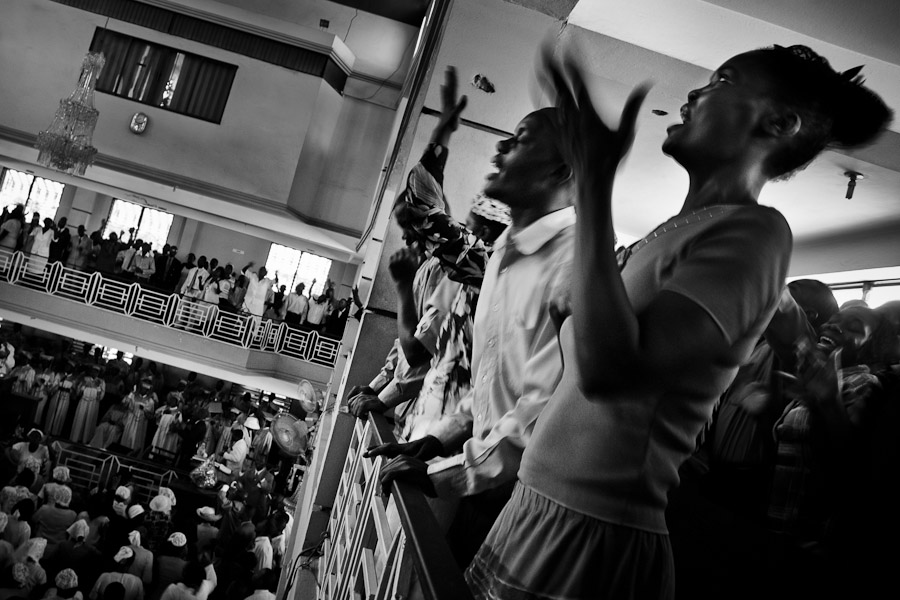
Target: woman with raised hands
point(657, 332)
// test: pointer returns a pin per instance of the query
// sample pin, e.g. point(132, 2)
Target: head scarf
point(66, 580)
point(161, 504)
point(168, 493)
point(32, 549)
point(61, 474)
point(135, 511)
point(20, 573)
point(178, 539)
point(62, 495)
point(134, 538)
point(123, 554)
point(79, 529)
point(124, 492)
point(492, 210)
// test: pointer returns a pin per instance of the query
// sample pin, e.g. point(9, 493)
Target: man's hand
point(409, 469)
point(362, 404)
point(423, 449)
point(403, 265)
point(451, 108)
point(356, 390)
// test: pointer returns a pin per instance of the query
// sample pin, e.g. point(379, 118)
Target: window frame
point(34, 179)
point(137, 228)
point(160, 80)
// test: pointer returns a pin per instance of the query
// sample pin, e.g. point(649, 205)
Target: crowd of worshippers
point(128, 407)
point(202, 279)
point(60, 540)
point(664, 420)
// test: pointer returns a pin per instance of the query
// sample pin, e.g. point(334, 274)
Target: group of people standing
point(575, 378)
point(201, 282)
point(61, 540)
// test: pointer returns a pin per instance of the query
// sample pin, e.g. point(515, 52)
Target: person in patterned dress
point(89, 395)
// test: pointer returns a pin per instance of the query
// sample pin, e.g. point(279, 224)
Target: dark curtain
point(140, 71)
point(203, 88)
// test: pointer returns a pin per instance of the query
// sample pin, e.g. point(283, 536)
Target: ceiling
point(410, 12)
point(675, 43)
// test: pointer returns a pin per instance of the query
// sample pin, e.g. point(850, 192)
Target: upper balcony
point(237, 347)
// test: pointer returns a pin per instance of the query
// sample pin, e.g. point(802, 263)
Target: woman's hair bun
point(859, 114)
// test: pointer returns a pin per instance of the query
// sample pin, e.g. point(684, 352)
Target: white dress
point(40, 250)
point(86, 415)
point(58, 408)
point(134, 434)
point(166, 438)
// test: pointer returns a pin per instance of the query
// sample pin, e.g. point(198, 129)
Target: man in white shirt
point(296, 306)
point(234, 458)
point(516, 362)
point(143, 265)
point(258, 287)
point(124, 258)
point(192, 312)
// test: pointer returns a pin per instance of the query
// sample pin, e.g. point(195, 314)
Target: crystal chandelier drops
point(67, 144)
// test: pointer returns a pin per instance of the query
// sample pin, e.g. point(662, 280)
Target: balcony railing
point(380, 547)
point(170, 310)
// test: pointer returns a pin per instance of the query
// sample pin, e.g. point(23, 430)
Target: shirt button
point(504, 270)
point(484, 378)
point(491, 342)
point(496, 307)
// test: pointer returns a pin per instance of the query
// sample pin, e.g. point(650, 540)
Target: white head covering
point(62, 495)
point(134, 538)
point(123, 554)
point(168, 493)
point(135, 511)
point(124, 492)
point(61, 474)
point(490, 209)
point(178, 539)
point(161, 504)
point(79, 529)
point(66, 579)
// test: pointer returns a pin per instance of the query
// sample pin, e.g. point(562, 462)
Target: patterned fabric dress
point(449, 376)
point(134, 434)
point(463, 257)
point(44, 382)
point(85, 421)
point(58, 408)
point(166, 437)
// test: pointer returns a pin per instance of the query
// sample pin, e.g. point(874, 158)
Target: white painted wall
point(280, 130)
point(254, 150)
point(350, 176)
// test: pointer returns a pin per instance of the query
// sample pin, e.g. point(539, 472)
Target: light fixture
point(67, 145)
point(851, 185)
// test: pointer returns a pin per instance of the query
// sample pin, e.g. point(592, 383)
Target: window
point(164, 77)
point(846, 294)
point(35, 193)
point(150, 225)
point(879, 294)
point(293, 266)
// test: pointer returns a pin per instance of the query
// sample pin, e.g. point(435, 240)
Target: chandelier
point(67, 144)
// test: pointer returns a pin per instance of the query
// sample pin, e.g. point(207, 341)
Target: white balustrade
point(194, 316)
point(380, 546)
